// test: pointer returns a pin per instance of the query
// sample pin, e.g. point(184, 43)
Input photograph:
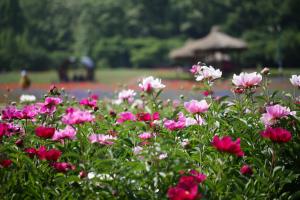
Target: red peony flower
point(62, 166)
point(143, 117)
point(4, 129)
point(278, 134)
point(246, 170)
point(51, 155)
point(31, 152)
point(44, 132)
point(198, 176)
point(226, 144)
point(5, 163)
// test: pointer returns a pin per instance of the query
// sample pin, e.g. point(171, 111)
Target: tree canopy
point(38, 34)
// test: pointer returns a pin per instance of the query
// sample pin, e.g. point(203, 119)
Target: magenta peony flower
point(102, 139)
point(49, 106)
point(90, 103)
point(246, 170)
point(11, 112)
point(44, 154)
point(29, 112)
point(68, 133)
point(278, 134)
point(247, 80)
point(226, 144)
point(63, 166)
point(195, 106)
point(295, 80)
point(4, 129)
point(175, 125)
point(125, 116)
point(275, 112)
point(31, 152)
point(77, 116)
point(149, 84)
point(44, 132)
point(198, 176)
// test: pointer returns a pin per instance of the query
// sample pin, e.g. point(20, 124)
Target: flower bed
point(246, 147)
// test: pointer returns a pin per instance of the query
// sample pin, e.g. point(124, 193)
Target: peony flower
point(162, 156)
point(189, 121)
point(226, 144)
point(198, 176)
point(246, 170)
point(29, 112)
point(4, 129)
point(10, 113)
point(31, 152)
point(150, 83)
point(44, 132)
point(247, 80)
point(145, 135)
point(295, 80)
point(137, 150)
point(125, 116)
point(275, 112)
point(68, 133)
point(6, 163)
point(195, 106)
point(127, 95)
point(195, 69)
point(50, 155)
point(87, 102)
point(102, 139)
point(175, 125)
point(49, 106)
point(77, 116)
point(278, 134)
point(62, 166)
point(208, 73)
point(26, 98)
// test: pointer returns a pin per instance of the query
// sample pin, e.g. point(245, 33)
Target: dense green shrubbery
point(145, 149)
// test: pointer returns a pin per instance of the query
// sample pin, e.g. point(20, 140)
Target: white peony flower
point(27, 98)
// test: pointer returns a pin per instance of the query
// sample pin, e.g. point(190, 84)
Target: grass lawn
point(107, 76)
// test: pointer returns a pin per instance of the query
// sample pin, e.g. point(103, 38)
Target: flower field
point(138, 146)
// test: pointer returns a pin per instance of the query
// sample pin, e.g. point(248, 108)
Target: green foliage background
point(38, 34)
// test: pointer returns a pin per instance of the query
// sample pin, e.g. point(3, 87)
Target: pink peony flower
point(195, 106)
point(29, 112)
point(246, 170)
point(77, 116)
point(189, 121)
point(149, 84)
point(127, 95)
point(102, 139)
point(49, 106)
point(226, 144)
point(44, 132)
point(125, 116)
point(68, 133)
point(11, 112)
point(208, 73)
point(145, 135)
point(195, 69)
point(295, 80)
point(63, 166)
point(278, 134)
point(275, 112)
point(247, 80)
point(175, 125)
point(198, 176)
point(87, 102)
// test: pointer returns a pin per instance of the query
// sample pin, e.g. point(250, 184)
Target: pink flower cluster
point(182, 122)
point(274, 113)
point(246, 80)
point(187, 187)
point(77, 116)
point(9, 129)
point(88, 102)
point(125, 116)
point(205, 72)
point(195, 106)
point(127, 95)
point(43, 153)
point(226, 144)
point(102, 139)
point(27, 112)
point(49, 105)
point(68, 133)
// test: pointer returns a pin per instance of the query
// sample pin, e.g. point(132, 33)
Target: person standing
point(89, 66)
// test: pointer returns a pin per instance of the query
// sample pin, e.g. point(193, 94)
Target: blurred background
point(99, 40)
